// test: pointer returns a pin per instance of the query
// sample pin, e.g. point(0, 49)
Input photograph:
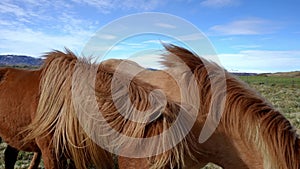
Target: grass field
point(282, 92)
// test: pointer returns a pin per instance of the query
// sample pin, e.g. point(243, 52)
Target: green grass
point(272, 81)
point(282, 92)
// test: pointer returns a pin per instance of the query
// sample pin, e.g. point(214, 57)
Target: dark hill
point(19, 60)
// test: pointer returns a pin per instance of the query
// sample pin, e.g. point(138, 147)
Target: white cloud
point(32, 11)
point(252, 26)
point(192, 37)
point(11, 9)
point(106, 6)
point(165, 25)
point(103, 5)
point(261, 61)
point(34, 29)
point(35, 43)
point(133, 45)
point(218, 3)
point(245, 46)
point(152, 41)
point(106, 36)
point(144, 5)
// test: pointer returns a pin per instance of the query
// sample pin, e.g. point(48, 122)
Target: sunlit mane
point(56, 116)
point(247, 115)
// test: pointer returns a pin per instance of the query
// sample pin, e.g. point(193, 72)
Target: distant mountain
point(295, 74)
point(243, 74)
point(19, 60)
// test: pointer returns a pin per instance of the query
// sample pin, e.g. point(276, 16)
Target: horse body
point(218, 149)
point(18, 102)
point(56, 123)
point(254, 133)
point(251, 133)
point(55, 108)
point(19, 92)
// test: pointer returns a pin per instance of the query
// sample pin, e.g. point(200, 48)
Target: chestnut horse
point(57, 126)
point(251, 133)
point(18, 101)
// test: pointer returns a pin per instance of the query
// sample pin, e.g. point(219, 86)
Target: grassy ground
point(282, 92)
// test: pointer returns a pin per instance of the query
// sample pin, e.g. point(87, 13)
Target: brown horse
point(251, 133)
point(56, 124)
point(18, 98)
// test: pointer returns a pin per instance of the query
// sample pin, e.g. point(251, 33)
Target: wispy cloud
point(252, 26)
point(107, 6)
point(135, 45)
point(156, 42)
point(165, 25)
point(106, 36)
point(34, 43)
point(32, 11)
point(144, 5)
point(245, 46)
point(192, 37)
point(7, 8)
point(29, 26)
point(219, 3)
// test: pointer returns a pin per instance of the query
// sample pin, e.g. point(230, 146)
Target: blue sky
point(248, 36)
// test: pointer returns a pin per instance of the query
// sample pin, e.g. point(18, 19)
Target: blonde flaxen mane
point(247, 116)
point(56, 116)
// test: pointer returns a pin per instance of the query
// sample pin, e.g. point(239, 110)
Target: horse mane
point(247, 115)
point(56, 115)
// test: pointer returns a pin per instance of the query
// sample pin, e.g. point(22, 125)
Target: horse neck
point(224, 151)
point(257, 136)
point(232, 152)
point(219, 149)
point(259, 132)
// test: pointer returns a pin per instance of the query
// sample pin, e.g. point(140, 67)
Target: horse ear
point(178, 55)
